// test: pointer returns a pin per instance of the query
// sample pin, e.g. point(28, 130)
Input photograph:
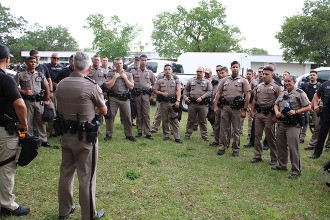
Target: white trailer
point(192, 60)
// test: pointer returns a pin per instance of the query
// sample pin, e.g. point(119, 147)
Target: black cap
point(137, 58)
point(269, 68)
point(4, 51)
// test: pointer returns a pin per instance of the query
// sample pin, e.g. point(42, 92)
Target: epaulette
point(90, 79)
point(300, 90)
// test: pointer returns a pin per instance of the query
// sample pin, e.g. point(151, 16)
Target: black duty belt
point(138, 92)
point(122, 97)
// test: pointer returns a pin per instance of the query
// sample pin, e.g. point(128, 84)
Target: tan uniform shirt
point(120, 87)
point(31, 81)
point(297, 99)
point(143, 79)
point(168, 85)
point(196, 88)
point(99, 75)
point(85, 94)
point(230, 88)
point(266, 94)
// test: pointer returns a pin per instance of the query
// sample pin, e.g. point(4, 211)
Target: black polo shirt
point(8, 94)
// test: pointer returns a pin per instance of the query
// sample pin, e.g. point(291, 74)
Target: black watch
point(245, 109)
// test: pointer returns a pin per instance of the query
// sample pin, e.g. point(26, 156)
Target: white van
point(192, 60)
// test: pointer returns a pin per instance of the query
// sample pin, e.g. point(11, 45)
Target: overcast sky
point(258, 20)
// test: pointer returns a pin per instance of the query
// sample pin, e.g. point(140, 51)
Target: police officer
point(222, 73)
point(13, 106)
point(322, 93)
point(144, 79)
point(120, 83)
point(234, 93)
point(169, 90)
point(79, 147)
point(196, 94)
point(66, 71)
point(262, 110)
point(288, 108)
point(98, 73)
point(310, 88)
point(35, 92)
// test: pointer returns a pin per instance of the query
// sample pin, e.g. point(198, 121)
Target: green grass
point(164, 180)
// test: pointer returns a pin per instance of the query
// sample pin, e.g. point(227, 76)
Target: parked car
point(11, 73)
point(322, 72)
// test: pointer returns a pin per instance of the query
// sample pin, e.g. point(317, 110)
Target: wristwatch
point(245, 109)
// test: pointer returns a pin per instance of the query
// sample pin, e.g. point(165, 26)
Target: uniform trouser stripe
point(91, 184)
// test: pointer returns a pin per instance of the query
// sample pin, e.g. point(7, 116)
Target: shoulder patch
point(300, 90)
point(92, 80)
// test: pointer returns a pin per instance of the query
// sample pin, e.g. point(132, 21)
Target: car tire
point(183, 105)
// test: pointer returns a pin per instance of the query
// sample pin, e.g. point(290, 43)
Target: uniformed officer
point(13, 106)
point(144, 79)
point(169, 90)
point(262, 110)
point(310, 88)
point(196, 94)
point(34, 90)
point(234, 95)
point(120, 83)
point(322, 93)
point(79, 147)
point(288, 108)
point(222, 73)
point(98, 73)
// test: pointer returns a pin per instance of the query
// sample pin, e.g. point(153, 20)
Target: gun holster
point(91, 131)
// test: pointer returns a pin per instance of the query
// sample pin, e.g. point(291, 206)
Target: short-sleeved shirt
point(196, 88)
point(266, 94)
point(171, 85)
point(233, 87)
point(99, 75)
point(85, 95)
point(31, 81)
point(53, 70)
point(63, 74)
point(8, 94)
point(143, 79)
point(120, 86)
point(297, 99)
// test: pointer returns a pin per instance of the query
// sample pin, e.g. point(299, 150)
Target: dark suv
point(322, 72)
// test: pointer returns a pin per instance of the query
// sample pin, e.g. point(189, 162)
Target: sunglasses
point(56, 58)
point(259, 71)
point(199, 71)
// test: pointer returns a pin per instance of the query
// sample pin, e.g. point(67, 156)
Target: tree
point(306, 36)
point(44, 39)
point(256, 51)
point(10, 25)
point(202, 29)
point(112, 38)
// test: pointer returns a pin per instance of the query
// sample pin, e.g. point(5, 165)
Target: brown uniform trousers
point(8, 148)
point(78, 155)
point(169, 116)
point(287, 136)
point(124, 106)
point(194, 89)
point(265, 95)
point(231, 88)
point(157, 118)
point(143, 79)
point(33, 81)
